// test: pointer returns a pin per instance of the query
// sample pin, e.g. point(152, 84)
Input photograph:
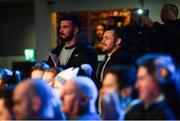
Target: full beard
point(67, 38)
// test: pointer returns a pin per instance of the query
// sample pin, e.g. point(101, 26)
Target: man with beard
point(112, 46)
point(72, 50)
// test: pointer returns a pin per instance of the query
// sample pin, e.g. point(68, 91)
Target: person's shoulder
point(122, 57)
point(133, 105)
point(57, 49)
point(90, 116)
point(133, 110)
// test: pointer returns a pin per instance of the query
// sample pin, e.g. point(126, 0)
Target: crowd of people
point(126, 85)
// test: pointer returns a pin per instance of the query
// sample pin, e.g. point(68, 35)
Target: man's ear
point(118, 41)
point(36, 103)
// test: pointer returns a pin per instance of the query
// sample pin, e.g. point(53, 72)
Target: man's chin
point(63, 39)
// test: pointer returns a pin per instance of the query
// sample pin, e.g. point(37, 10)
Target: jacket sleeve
point(90, 57)
point(55, 51)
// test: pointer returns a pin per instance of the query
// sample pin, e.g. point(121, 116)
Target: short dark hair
point(118, 32)
point(173, 8)
point(126, 75)
point(73, 18)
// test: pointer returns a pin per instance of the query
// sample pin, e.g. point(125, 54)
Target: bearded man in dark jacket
point(72, 50)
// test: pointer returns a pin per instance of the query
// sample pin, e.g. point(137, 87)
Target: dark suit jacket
point(119, 57)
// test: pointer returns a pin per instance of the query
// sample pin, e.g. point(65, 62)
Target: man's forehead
point(23, 87)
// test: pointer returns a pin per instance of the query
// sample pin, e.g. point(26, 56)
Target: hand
point(55, 59)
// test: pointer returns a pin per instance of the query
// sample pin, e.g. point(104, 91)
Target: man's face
point(4, 111)
point(36, 74)
point(108, 42)
point(167, 14)
point(146, 84)
point(66, 30)
point(22, 105)
point(70, 99)
point(110, 83)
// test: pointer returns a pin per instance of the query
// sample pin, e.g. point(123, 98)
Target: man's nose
point(60, 30)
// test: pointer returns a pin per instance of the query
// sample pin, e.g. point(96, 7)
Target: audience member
point(153, 73)
point(38, 70)
point(78, 99)
point(112, 46)
point(118, 80)
point(72, 50)
point(32, 100)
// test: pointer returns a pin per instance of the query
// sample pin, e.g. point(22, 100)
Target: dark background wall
point(17, 27)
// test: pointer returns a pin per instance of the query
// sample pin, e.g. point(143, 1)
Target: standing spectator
point(112, 46)
point(167, 34)
point(72, 50)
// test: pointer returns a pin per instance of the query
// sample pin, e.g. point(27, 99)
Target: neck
point(71, 43)
point(113, 50)
point(152, 100)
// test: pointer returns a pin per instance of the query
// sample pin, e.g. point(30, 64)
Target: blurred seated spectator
point(70, 74)
point(9, 79)
point(155, 73)
point(38, 70)
point(50, 74)
point(62, 77)
point(33, 100)
point(6, 105)
point(116, 92)
point(78, 99)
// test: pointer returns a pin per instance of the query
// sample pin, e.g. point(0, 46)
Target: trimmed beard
point(66, 38)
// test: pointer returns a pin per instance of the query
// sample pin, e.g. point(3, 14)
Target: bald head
point(32, 99)
point(79, 96)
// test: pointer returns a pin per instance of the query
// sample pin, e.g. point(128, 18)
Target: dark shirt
point(157, 111)
point(82, 54)
point(118, 57)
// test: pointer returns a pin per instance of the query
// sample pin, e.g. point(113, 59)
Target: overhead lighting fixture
point(140, 11)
